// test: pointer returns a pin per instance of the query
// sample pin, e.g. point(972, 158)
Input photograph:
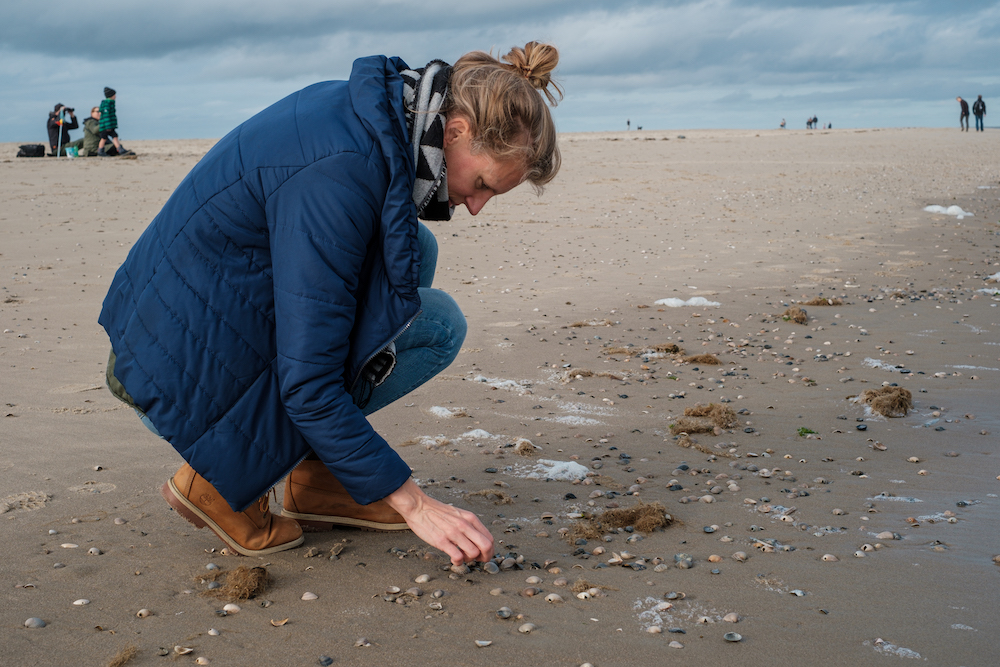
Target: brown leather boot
point(315, 499)
point(253, 532)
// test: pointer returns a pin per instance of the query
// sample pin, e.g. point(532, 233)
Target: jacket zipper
point(382, 348)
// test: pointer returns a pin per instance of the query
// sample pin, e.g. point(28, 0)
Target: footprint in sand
point(93, 487)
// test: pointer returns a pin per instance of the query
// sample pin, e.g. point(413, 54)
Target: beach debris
point(795, 314)
point(684, 561)
point(34, 622)
point(592, 323)
point(705, 419)
point(703, 359)
point(675, 595)
point(566, 471)
point(643, 517)
point(498, 497)
point(693, 301)
point(242, 583)
point(123, 656)
point(820, 301)
point(888, 401)
point(950, 210)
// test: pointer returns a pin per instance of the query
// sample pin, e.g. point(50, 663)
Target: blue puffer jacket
point(282, 263)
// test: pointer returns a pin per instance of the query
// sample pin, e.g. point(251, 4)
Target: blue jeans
point(979, 123)
point(432, 340)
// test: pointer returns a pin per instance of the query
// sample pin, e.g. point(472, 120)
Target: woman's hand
point(458, 533)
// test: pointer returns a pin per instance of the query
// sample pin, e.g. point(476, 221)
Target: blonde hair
point(503, 103)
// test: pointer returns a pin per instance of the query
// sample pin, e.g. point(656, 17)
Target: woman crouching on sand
point(284, 293)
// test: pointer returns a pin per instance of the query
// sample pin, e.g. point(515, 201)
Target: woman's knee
point(440, 308)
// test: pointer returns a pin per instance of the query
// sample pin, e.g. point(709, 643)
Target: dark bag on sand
point(31, 150)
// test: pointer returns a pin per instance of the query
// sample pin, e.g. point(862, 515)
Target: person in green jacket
point(109, 125)
point(91, 133)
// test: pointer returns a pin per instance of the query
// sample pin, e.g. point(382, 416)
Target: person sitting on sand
point(283, 293)
point(92, 133)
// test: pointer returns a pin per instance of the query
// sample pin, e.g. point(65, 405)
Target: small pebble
point(34, 622)
point(325, 660)
point(212, 585)
point(53, 531)
point(211, 566)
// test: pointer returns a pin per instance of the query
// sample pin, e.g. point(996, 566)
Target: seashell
point(232, 608)
point(94, 551)
point(527, 628)
point(654, 629)
point(839, 512)
point(69, 545)
point(460, 569)
point(583, 595)
point(496, 591)
point(415, 592)
point(674, 595)
point(120, 521)
point(561, 581)
point(507, 563)
point(554, 598)
point(626, 555)
point(436, 606)
point(504, 612)
point(438, 594)
point(663, 606)
point(182, 650)
point(530, 591)
point(913, 459)
point(859, 554)
point(211, 566)
point(797, 592)
point(661, 567)
point(422, 579)
point(786, 518)
point(675, 644)
point(732, 636)
point(392, 590)
point(490, 567)
point(615, 560)
point(34, 622)
point(731, 617)
point(309, 596)
point(483, 643)
point(704, 620)
point(143, 613)
point(362, 643)
point(829, 558)
point(922, 472)
point(533, 580)
point(280, 623)
point(598, 551)
point(213, 632)
point(726, 539)
point(201, 661)
point(554, 570)
point(740, 556)
point(886, 535)
point(710, 529)
point(714, 558)
point(707, 499)
point(81, 602)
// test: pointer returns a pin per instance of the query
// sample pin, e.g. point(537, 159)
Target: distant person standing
point(109, 125)
point(58, 127)
point(979, 110)
point(963, 120)
point(628, 124)
point(782, 126)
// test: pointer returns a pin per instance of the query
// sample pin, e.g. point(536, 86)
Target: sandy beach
point(859, 539)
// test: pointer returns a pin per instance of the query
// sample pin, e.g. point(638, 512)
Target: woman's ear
point(454, 128)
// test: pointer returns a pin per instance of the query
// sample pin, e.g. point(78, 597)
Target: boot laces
point(262, 502)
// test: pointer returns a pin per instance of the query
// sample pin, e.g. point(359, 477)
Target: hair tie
point(526, 71)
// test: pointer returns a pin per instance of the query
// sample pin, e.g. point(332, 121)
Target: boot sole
point(199, 519)
point(320, 522)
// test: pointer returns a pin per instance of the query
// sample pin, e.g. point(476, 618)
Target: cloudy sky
point(197, 68)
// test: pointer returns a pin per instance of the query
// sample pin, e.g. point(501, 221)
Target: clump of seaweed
point(581, 585)
point(705, 419)
point(690, 443)
point(611, 351)
point(668, 348)
point(525, 447)
point(124, 656)
point(795, 314)
point(592, 323)
point(428, 442)
point(243, 583)
point(888, 401)
point(643, 517)
point(820, 301)
point(498, 497)
point(704, 359)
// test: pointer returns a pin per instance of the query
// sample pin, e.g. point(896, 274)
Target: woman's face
point(473, 178)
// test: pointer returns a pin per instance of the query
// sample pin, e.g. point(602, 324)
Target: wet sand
point(756, 222)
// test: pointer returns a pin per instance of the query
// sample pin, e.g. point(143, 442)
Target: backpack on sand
point(31, 150)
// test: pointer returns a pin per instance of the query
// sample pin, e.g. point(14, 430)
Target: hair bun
point(535, 62)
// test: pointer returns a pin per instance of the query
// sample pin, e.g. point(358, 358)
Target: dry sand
point(757, 222)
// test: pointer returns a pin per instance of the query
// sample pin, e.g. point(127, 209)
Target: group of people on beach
point(98, 130)
point(978, 110)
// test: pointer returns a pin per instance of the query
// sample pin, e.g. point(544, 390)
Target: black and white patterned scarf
point(424, 94)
